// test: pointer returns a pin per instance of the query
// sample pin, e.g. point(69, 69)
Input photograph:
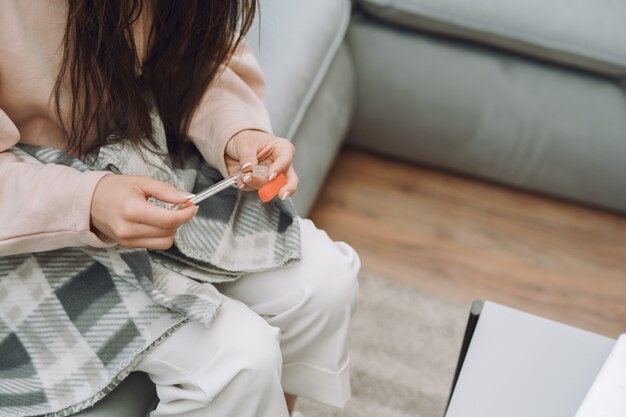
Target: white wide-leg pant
point(282, 330)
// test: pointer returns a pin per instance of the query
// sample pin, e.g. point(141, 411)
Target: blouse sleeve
point(42, 206)
point(232, 103)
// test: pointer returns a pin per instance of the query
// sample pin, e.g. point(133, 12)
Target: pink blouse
point(45, 207)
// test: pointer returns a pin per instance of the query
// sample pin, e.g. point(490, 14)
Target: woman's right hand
point(120, 211)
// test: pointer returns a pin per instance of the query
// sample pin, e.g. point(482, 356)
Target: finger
point(283, 156)
point(248, 163)
point(292, 184)
point(246, 151)
point(161, 217)
point(141, 231)
point(151, 243)
point(162, 191)
point(232, 166)
point(250, 182)
point(243, 187)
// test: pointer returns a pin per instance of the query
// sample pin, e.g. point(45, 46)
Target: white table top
point(521, 365)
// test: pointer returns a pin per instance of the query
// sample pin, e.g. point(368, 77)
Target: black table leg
point(469, 332)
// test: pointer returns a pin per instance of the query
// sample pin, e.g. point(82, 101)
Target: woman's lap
point(294, 318)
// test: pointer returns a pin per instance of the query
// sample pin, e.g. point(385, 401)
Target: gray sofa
point(529, 94)
point(526, 93)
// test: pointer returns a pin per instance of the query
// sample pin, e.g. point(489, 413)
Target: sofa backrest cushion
point(587, 34)
point(295, 42)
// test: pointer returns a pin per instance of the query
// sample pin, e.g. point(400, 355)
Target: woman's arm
point(44, 207)
point(233, 103)
point(47, 206)
point(232, 129)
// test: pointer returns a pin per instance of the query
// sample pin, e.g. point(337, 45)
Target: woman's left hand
point(249, 148)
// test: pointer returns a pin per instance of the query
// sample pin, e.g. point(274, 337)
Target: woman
point(144, 78)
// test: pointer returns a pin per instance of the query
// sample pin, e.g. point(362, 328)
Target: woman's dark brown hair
point(112, 91)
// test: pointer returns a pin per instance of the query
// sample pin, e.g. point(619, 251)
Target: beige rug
point(404, 349)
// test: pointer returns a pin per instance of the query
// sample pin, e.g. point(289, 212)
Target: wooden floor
point(462, 240)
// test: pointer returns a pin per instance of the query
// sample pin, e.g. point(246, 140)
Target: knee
point(260, 359)
point(254, 346)
point(334, 287)
point(238, 353)
point(245, 352)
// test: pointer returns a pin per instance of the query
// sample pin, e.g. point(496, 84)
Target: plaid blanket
point(75, 321)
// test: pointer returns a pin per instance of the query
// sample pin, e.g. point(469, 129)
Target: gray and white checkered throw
point(75, 321)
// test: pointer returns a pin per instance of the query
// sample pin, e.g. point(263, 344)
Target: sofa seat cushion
point(295, 42)
point(587, 34)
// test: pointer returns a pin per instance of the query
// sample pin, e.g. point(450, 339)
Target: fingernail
point(196, 212)
point(274, 174)
point(240, 186)
point(285, 196)
point(186, 195)
point(246, 165)
point(247, 178)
